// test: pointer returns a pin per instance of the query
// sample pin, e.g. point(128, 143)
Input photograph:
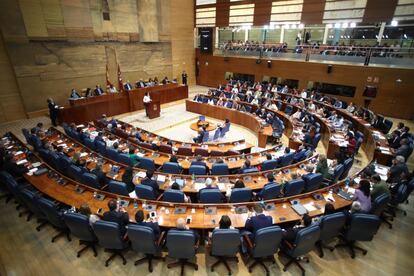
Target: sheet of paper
point(21, 162)
point(19, 152)
point(309, 207)
point(133, 194)
point(199, 186)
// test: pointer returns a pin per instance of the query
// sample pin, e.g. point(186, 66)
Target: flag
point(120, 84)
point(108, 82)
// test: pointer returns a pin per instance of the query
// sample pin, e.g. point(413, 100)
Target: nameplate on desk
point(79, 189)
point(232, 159)
point(317, 197)
point(270, 207)
point(241, 210)
point(247, 178)
point(210, 210)
point(62, 182)
point(223, 180)
point(155, 154)
point(150, 207)
point(299, 209)
point(40, 171)
point(99, 197)
point(123, 203)
point(220, 145)
point(180, 210)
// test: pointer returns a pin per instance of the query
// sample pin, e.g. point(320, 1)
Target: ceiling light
point(345, 25)
point(394, 23)
point(329, 26)
point(353, 24)
point(301, 26)
point(293, 26)
point(337, 25)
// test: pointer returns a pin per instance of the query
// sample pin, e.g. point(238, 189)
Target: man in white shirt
point(146, 101)
point(112, 89)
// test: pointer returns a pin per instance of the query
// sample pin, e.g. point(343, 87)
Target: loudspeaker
point(329, 69)
point(206, 40)
point(269, 64)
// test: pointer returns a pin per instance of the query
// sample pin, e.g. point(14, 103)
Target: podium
point(154, 109)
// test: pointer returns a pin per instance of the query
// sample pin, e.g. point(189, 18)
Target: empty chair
point(29, 198)
point(165, 148)
point(216, 153)
point(171, 167)
point(269, 165)
point(316, 140)
point(91, 180)
point(313, 181)
point(337, 173)
point(347, 167)
point(112, 154)
point(64, 163)
point(201, 151)
point(240, 195)
point(270, 191)
point(110, 237)
point(89, 143)
point(204, 139)
point(54, 216)
point(304, 242)
point(286, 159)
point(219, 169)
point(216, 135)
point(117, 187)
point(331, 227)
point(294, 187)
point(225, 244)
point(171, 195)
point(124, 159)
point(186, 151)
point(145, 192)
point(79, 226)
point(74, 172)
point(100, 147)
point(362, 227)
point(147, 164)
point(197, 170)
point(266, 244)
point(181, 245)
point(387, 125)
point(210, 196)
point(379, 205)
point(143, 241)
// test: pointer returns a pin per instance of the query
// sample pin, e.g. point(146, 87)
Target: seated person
point(322, 167)
point(112, 89)
point(173, 159)
point(86, 210)
point(175, 186)
point(329, 209)
point(379, 187)
point(140, 84)
point(261, 113)
point(397, 168)
point(270, 181)
point(300, 154)
point(404, 149)
point(352, 143)
point(199, 162)
point(247, 166)
point(150, 182)
point(74, 94)
point(134, 158)
point(10, 166)
point(165, 80)
point(199, 137)
point(151, 223)
point(117, 214)
point(394, 139)
point(127, 86)
point(256, 222)
point(98, 90)
point(127, 178)
point(290, 234)
point(181, 225)
point(363, 195)
point(100, 174)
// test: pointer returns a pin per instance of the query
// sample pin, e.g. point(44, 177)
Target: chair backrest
point(271, 191)
point(313, 181)
point(89, 143)
point(240, 195)
point(331, 225)
point(305, 240)
point(108, 234)
point(173, 196)
point(197, 170)
point(216, 134)
point(142, 239)
point(146, 145)
point(387, 126)
point(112, 154)
point(286, 159)
point(210, 196)
point(124, 158)
point(165, 148)
point(50, 210)
point(316, 140)
point(267, 241)
point(269, 165)
point(205, 137)
point(171, 167)
point(225, 242)
point(288, 109)
point(64, 163)
point(181, 244)
point(217, 153)
point(380, 203)
point(147, 164)
point(28, 197)
point(337, 172)
point(91, 180)
point(78, 225)
point(294, 187)
point(74, 172)
point(101, 147)
point(187, 151)
point(362, 227)
point(118, 188)
point(200, 151)
point(145, 192)
point(347, 167)
point(220, 169)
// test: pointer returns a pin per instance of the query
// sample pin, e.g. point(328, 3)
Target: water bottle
point(193, 177)
point(243, 155)
point(347, 182)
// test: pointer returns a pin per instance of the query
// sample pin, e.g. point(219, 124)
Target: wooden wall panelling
point(222, 13)
point(312, 12)
point(78, 19)
point(11, 21)
point(393, 99)
point(262, 11)
point(379, 10)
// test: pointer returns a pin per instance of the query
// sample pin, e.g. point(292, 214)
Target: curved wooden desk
point(209, 126)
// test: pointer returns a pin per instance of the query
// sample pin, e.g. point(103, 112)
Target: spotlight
point(329, 26)
point(345, 25)
point(301, 26)
point(269, 64)
point(353, 24)
point(394, 23)
point(337, 25)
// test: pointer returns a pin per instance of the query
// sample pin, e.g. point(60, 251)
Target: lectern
point(154, 109)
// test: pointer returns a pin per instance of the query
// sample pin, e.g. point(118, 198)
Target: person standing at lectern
point(53, 111)
point(184, 77)
point(147, 100)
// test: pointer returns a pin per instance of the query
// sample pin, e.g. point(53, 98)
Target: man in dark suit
point(140, 84)
point(199, 162)
point(184, 77)
point(139, 218)
point(98, 90)
point(116, 214)
point(150, 182)
point(10, 166)
point(102, 180)
point(404, 149)
point(405, 133)
point(53, 111)
point(127, 86)
point(98, 138)
point(258, 221)
point(394, 140)
point(199, 137)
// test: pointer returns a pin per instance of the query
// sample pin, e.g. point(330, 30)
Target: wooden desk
point(209, 126)
point(89, 109)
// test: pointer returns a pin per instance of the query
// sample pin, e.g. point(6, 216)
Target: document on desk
point(381, 170)
point(21, 162)
point(309, 207)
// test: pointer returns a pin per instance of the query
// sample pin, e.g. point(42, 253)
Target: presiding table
point(209, 125)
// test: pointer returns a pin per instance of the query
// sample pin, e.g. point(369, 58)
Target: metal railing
point(374, 56)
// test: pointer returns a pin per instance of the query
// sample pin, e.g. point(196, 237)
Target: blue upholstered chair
point(205, 137)
point(210, 196)
point(100, 147)
point(331, 227)
point(270, 191)
point(379, 206)
point(220, 169)
point(171, 167)
point(143, 241)
point(79, 226)
point(54, 216)
point(286, 159)
point(241, 195)
point(147, 164)
point(362, 227)
point(266, 244)
point(225, 244)
point(91, 180)
point(313, 181)
point(110, 237)
point(197, 170)
point(294, 187)
point(304, 242)
point(269, 165)
point(181, 245)
point(171, 195)
point(118, 188)
point(28, 196)
point(89, 143)
point(74, 172)
point(316, 140)
point(145, 192)
point(347, 167)
point(124, 159)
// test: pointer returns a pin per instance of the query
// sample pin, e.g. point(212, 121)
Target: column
point(325, 34)
point(282, 33)
point(381, 32)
